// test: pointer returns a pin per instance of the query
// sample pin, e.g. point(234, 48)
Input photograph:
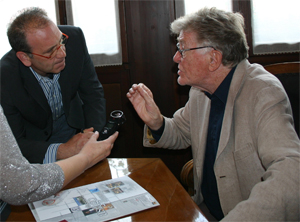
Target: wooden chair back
point(288, 74)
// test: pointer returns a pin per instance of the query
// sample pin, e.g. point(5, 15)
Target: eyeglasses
point(181, 51)
point(63, 42)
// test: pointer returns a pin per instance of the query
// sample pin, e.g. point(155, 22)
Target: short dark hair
point(222, 30)
point(28, 18)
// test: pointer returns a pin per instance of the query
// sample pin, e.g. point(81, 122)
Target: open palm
point(142, 100)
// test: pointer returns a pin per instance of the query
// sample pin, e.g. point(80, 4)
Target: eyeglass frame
point(63, 42)
point(184, 50)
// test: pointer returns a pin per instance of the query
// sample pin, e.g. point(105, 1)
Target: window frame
point(244, 7)
point(62, 20)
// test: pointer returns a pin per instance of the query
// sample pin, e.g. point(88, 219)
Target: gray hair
point(222, 30)
point(28, 19)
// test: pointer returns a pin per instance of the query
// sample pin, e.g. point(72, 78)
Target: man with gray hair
point(238, 121)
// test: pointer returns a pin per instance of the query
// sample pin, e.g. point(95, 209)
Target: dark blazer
point(26, 107)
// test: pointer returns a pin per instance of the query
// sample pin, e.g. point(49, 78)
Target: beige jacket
point(257, 166)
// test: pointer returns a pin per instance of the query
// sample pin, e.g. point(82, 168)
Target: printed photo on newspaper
point(99, 201)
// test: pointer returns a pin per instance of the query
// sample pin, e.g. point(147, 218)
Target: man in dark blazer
point(49, 88)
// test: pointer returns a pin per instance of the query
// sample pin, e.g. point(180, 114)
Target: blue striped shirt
point(52, 92)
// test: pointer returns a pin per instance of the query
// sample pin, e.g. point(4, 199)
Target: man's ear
point(215, 60)
point(24, 58)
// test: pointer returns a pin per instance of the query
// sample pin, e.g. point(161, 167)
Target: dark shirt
point(209, 187)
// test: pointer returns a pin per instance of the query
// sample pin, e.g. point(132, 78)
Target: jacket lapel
point(34, 89)
point(236, 83)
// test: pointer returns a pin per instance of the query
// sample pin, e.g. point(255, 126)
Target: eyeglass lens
point(178, 49)
point(62, 43)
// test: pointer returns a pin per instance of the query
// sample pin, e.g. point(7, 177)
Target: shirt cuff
point(50, 156)
point(156, 134)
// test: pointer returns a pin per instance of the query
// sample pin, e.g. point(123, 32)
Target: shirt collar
point(223, 89)
point(43, 78)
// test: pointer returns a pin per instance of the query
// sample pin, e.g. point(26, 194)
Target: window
point(274, 25)
point(99, 21)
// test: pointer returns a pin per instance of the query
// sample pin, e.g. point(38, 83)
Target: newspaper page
point(99, 201)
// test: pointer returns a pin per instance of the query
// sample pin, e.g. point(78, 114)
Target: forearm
point(171, 138)
point(25, 183)
point(156, 123)
point(93, 152)
point(73, 167)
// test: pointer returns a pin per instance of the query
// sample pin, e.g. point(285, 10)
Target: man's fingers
point(146, 94)
point(144, 87)
point(91, 129)
point(95, 136)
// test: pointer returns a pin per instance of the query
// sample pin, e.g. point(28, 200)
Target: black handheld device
point(116, 118)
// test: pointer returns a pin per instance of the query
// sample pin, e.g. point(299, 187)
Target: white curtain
point(275, 26)
point(99, 21)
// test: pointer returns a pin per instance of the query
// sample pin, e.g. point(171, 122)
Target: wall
point(148, 59)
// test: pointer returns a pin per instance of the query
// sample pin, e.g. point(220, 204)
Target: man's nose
point(61, 52)
point(177, 57)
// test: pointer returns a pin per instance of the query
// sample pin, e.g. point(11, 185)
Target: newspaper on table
point(99, 201)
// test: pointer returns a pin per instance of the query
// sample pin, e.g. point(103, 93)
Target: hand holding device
point(116, 118)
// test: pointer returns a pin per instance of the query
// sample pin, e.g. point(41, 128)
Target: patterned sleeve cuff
point(155, 135)
point(50, 156)
point(150, 136)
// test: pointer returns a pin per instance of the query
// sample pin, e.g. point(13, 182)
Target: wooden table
point(152, 174)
